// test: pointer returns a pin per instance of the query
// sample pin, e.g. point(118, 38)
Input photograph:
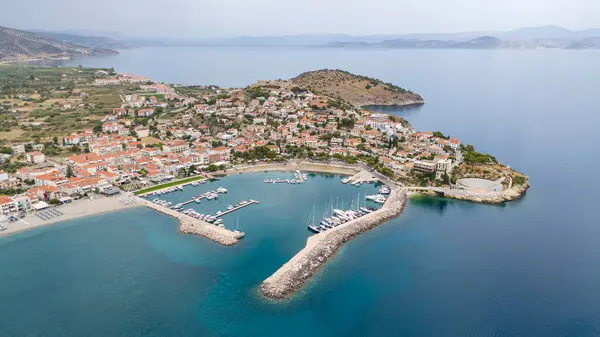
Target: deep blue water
point(444, 268)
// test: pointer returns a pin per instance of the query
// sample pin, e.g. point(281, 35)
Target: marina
point(333, 217)
point(299, 178)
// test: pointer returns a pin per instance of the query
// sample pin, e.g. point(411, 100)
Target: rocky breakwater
point(189, 225)
point(320, 247)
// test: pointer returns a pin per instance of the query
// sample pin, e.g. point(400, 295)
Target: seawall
point(189, 225)
point(320, 247)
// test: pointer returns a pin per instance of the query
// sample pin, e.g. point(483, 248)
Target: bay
point(527, 268)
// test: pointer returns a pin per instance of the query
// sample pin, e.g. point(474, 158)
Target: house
point(223, 153)
point(143, 132)
point(16, 204)
point(110, 127)
point(119, 112)
point(35, 157)
point(3, 176)
point(424, 166)
point(145, 112)
point(18, 149)
point(176, 146)
point(454, 143)
point(259, 120)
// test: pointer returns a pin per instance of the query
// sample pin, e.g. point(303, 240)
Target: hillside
point(354, 89)
point(96, 42)
point(21, 45)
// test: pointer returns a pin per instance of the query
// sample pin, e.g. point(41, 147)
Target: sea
point(443, 268)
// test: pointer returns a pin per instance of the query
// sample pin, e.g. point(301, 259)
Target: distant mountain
point(85, 40)
point(482, 42)
point(587, 43)
point(541, 32)
point(21, 45)
point(526, 37)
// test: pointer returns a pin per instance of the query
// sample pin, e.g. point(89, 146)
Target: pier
point(190, 225)
point(297, 180)
point(236, 208)
point(359, 178)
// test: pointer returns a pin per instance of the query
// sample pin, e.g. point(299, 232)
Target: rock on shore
point(513, 193)
point(210, 232)
point(319, 248)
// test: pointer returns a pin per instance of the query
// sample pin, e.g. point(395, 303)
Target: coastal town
point(96, 141)
point(209, 129)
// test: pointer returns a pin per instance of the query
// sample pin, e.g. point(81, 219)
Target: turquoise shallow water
point(443, 268)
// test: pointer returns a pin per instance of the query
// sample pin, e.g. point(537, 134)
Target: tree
point(86, 148)
point(6, 150)
point(69, 172)
point(28, 147)
point(97, 128)
point(55, 140)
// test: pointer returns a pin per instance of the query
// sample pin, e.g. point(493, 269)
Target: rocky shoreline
point(516, 192)
point(320, 247)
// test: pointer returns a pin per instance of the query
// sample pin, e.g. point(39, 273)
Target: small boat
point(219, 212)
point(229, 207)
point(366, 210)
point(325, 224)
point(221, 190)
point(314, 229)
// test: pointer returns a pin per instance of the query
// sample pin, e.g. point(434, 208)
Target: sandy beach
point(74, 210)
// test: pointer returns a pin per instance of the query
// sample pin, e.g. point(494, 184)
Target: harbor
point(320, 247)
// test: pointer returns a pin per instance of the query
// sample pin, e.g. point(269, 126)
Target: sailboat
point(237, 227)
point(311, 222)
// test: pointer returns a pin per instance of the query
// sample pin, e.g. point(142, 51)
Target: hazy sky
point(218, 18)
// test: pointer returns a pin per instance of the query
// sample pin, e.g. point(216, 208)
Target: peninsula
point(71, 133)
point(19, 45)
point(345, 87)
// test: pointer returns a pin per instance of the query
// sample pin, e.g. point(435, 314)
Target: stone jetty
point(189, 225)
point(320, 247)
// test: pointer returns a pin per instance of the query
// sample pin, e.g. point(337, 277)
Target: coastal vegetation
point(473, 157)
point(355, 90)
